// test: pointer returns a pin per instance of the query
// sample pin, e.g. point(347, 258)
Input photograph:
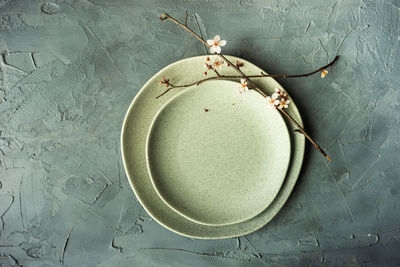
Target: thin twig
point(216, 72)
point(302, 131)
point(186, 18)
point(165, 16)
point(295, 75)
point(166, 91)
point(171, 86)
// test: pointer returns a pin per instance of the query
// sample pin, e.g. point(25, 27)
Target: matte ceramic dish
point(215, 156)
point(136, 125)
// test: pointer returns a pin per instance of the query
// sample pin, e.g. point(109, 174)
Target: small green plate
point(215, 156)
point(136, 126)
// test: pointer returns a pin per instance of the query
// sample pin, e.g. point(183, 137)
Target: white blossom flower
point(243, 86)
point(215, 44)
point(324, 73)
point(217, 64)
point(283, 103)
point(280, 93)
point(273, 101)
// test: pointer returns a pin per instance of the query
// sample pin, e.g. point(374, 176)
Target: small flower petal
point(216, 38)
point(273, 103)
point(212, 49)
point(210, 42)
point(274, 96)
point(222, 43)
point(218, 49)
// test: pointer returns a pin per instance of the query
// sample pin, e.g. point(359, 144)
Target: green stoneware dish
point(215, 156)
point(136, 125)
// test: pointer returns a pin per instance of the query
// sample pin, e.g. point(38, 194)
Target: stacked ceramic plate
point(206, 161)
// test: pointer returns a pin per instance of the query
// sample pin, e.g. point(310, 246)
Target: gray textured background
point(69, 69)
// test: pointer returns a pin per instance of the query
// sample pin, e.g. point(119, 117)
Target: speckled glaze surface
point(133, 142)
point(216, 156)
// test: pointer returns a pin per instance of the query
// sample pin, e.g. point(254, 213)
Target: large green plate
point(136, 125)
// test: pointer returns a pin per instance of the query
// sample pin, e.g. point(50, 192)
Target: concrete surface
point(69, 70)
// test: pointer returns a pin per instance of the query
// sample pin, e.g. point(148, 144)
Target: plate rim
point(171, 206)
point(130, 180)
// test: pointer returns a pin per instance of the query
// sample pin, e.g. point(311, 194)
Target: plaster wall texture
point(69, 70)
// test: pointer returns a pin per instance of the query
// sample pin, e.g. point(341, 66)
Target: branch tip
point(163, 16)
point(186, 16)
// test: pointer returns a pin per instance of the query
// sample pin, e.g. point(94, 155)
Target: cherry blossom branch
point(299, 129)
point(221, 77)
